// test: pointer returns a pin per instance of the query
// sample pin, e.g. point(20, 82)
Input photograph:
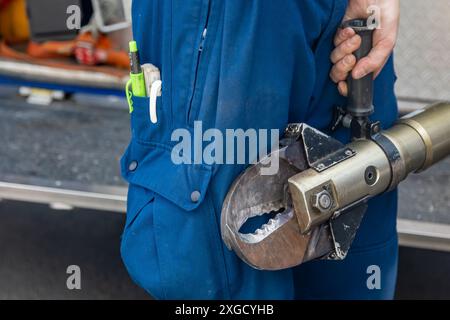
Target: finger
point(374, 61)
point(342, 35)
point(340, 70)
point(342, 88)
point(345, 48)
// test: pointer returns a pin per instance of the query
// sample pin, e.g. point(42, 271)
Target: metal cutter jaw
point(279, 241)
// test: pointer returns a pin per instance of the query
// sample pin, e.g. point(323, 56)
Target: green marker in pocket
point(136, 74)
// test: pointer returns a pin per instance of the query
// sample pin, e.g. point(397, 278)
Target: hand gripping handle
point(360, 91)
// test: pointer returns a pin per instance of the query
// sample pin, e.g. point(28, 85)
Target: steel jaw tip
point(278, 244)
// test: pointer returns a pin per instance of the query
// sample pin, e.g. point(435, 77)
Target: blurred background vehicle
point(64, 125)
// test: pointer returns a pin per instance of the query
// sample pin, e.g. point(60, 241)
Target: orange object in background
point(93, 51)
point(14, 26)
point(50, 49)
point(87, 50)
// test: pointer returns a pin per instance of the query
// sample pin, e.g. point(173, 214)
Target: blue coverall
point(259, 64)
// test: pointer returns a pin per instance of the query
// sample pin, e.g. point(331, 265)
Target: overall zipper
point(197, 66)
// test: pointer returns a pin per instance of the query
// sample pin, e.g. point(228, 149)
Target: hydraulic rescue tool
point(319, 195)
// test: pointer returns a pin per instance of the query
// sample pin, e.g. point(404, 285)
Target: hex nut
point(322, 201)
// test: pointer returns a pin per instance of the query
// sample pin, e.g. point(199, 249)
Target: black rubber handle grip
point(360, 92)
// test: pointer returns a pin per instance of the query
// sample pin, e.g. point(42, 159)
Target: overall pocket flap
point(150, 166)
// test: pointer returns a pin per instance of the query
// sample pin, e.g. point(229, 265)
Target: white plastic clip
point(155, 92)
point(153, 82)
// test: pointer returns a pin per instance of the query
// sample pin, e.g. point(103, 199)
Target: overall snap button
point(132, 166)
point(195, 196)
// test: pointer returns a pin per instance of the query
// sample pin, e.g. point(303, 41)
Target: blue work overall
point(238, 64)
